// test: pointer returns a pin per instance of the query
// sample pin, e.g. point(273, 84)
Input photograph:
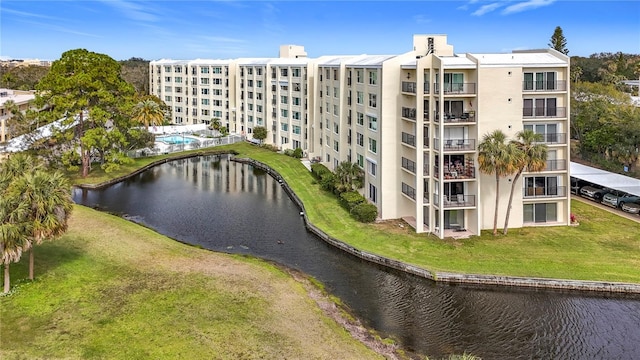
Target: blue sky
point(226, 29)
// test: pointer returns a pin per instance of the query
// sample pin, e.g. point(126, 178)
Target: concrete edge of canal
point(452, 278)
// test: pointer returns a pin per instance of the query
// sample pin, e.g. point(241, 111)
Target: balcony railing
point(409, 191)
point(534, 85)
point(544, 112)
point(556, 165)
point(409, 165)
point(425, 169)
point(456, 88)
point(544, 192)
point(408, 139)
point(459, 200)
point(409, 113)
point(426, 88)
point(409, 87)
point(456, 144)
point(554, 138)
point(425, 140)
point(467, 117)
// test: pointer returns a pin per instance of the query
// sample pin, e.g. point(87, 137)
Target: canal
point(235, 208)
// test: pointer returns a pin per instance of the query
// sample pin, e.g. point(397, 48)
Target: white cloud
point(527, 5)
point(421, 19)
point(486, 9)
point(132, 10)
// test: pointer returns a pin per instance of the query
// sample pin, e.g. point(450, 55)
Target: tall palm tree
point(531, 155)
point(148, 112)
point(495, 157)
point(47, 197)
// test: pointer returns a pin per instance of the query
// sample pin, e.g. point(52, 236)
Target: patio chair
point(460, 199)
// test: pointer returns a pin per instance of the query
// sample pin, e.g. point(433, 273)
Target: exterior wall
point(22, 99)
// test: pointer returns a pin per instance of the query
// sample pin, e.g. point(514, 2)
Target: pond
point(235, 208)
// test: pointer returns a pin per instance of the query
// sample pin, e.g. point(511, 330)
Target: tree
point(86, 90)
point(558, 42)
point(148, 112)
point(528, 152)
point(216, 124)
point(48, 196)
point(495, 158)
point(349, 176)
point(260, 133)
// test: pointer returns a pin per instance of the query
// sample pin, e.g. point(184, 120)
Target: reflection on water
point(231, 207)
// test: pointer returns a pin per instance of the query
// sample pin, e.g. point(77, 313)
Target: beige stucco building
point(412, 121)
point(23, 100)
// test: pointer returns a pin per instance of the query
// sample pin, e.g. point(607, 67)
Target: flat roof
point(533, 58)
point(605, 178)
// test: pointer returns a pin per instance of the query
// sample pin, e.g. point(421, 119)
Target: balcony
point(556, 165)
point(409, 191)
point(544, 192)
point(426, 88)
point(457, 144)
point(454, 201)
point(544, 112)
point(409, 113)
point(409, 87)
point(408, 139)
point(534, 85)
point(409, 165)
point(459, 172)
point(467, 117)
point(425, 140)
point(554, 138)
point(456, 88)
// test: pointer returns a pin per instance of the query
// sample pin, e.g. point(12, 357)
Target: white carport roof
point(606, 179)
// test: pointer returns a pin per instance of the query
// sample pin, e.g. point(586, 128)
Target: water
point(176, 139)
point(231, 207)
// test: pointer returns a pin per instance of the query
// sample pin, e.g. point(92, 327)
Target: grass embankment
point(605, 247)
point(112, 289)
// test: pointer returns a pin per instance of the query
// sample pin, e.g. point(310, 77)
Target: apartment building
point(22, 99)
point(413, 122)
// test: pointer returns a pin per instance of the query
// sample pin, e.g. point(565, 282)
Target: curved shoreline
point(446, 277)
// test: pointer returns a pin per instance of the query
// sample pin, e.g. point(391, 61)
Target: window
point(549, 132)
point(258, 96)
point(335, 145)
point(249, 83)
point(360, 118)
point(359, 76)
point(284, 99)
point(284, 112)
point(284, 139)
point(373, 77)
point(360, 139)
point(259, 83)
point(204, 70)
point(217, 114)
point(249, 71)
point(167, 78)
point(250, 95)
point(541, 186)
point(295, 115)
point(453, 82)
point(204, 81)
point(295, 72)
point(373, 193)
point(373, 145)
point(178, 69)
point(178, 89)
point(335, 92)
point(178, 79)
point(217, 81)
point(167, 69)
point(216, 102)
point(373, 123)
point(204, 101)
point(167, 89)
point(539, 81)
point(167, 98)
point(284, 127)
point(284, 72)
point(360, 97)
point(259, 108)
point(295, 129)
point(249, 107)
point(217, 70)
point(372, 167)
point(204, 91)
point(335, 110)
point(360, 160)
point(295, 101)
point(250, 118)
point(204, 112)
point(372, 100)
point(259, 71)
point(542, 107)
point(336, 127)
point(540, 213)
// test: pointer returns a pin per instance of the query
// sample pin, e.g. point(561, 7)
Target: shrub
point(297, 153)
point(318, 170)
point(269, 147)
point(365, 212)
point(288, 152)
point(328, 181)
point(351, 199)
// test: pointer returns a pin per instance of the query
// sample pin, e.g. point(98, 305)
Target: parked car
point(628, 199)
point(611, 199)
point(632, 208)
point(592, 192)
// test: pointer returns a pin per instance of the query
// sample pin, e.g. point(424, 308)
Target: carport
point(605, 178)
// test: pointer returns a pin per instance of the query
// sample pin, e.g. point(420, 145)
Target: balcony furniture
point(460, 199)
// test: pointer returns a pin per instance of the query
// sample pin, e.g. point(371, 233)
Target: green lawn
point(110, 289)
point(604, 247)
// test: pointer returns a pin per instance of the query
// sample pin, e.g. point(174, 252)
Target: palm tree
point(148, 112)
point(47, 197)
point(530, 154)
point(349, 175)
point(495, 157)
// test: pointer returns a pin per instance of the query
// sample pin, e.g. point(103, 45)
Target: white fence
point(200, 143)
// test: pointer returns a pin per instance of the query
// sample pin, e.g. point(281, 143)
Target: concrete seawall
point(446, 277)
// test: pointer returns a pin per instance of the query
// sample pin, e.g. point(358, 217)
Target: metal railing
point(456, 144)
point(544, 112)
point(544, 192)
point(408, 139)
point(456, 88)
point(451, 201)
point(200, 143)
point(535, 85)
point(409, 87)
point(409, 113)
point(554, 138)
point(409, 191)
point(456, 173)
point(555, 165)
point(457, 118)
point(409, 164)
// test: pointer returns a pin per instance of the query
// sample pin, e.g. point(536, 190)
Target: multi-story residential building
point(413, 122)
point(22, 99)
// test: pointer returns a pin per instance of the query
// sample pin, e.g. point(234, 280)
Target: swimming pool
point(176, 139)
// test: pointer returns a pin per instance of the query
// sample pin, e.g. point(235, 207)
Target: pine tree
point(558, 41)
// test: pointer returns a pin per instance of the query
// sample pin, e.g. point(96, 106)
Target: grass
point(111, 289)
point(605, 247)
